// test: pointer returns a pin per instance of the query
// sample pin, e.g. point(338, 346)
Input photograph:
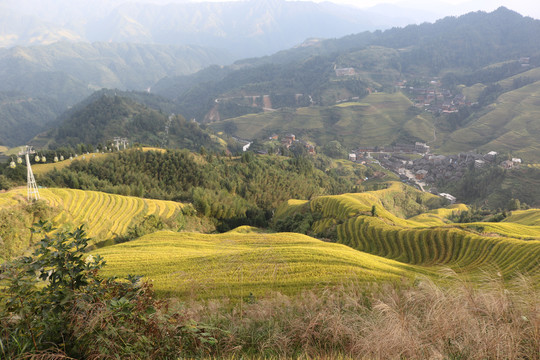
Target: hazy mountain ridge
point(246, 28)
point(249, 28)
point(63, 74)
point(25, 30)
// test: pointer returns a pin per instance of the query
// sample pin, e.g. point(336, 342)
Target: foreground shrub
point(54, 304)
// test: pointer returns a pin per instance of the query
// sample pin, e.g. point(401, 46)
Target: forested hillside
point(234, 191)
point(22, 117)
point(109, 116)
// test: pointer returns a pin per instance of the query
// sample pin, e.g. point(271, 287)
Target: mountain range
point(244, 28)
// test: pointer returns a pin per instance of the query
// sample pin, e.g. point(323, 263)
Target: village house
point(437, 159)
point(345, 72)
point(507, 164)
point(449, 197)
point(490, 156)
point(421, 174)
point(421, 147)
point(479, 163)
point(352, 157)
point(290, 137)
point(365, 149)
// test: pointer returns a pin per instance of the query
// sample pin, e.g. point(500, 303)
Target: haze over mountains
point(244, 28)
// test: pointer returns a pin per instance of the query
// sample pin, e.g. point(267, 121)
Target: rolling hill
point(510, 124)
point(380, 119)
point(361, 89)
point(240, 262)
point(505, 247)
point(404, 239)
point(463, 44)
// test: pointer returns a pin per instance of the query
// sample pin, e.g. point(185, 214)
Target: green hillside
point(108, 117)
point(509, 125)
point(233, 190)
point(495, 187)
point(22, 117)
point(240, 262)
point(380, 119)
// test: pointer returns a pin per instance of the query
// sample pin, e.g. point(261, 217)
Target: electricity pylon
point(31, 186)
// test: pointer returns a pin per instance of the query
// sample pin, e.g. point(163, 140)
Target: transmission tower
point(117, 140)
point(31, 186)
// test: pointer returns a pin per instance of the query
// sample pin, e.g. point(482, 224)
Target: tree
point(514, 204)
point(335, 150)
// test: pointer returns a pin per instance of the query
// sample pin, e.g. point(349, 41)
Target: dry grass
point(400, 321)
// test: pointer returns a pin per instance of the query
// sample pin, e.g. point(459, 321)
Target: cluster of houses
point(491, 157)
point(433, 98)
point(340, 72)
point(290, 140)
point(432, 168)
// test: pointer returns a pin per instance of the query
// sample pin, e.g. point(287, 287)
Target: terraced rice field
point(105, 215)
point(462, 250)
point(529, 217)
point(430, 239)
point(237, 263)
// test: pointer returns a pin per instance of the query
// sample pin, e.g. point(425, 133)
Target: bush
point(55, 302)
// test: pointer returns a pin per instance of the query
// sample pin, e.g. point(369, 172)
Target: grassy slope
point(426, 240)
point(510, 125)
point(378, 120)
point(236, 263)
point(40, 169)
point(105, 215)
point(529, 217)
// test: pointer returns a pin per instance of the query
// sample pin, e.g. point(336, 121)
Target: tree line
point(232, 190)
